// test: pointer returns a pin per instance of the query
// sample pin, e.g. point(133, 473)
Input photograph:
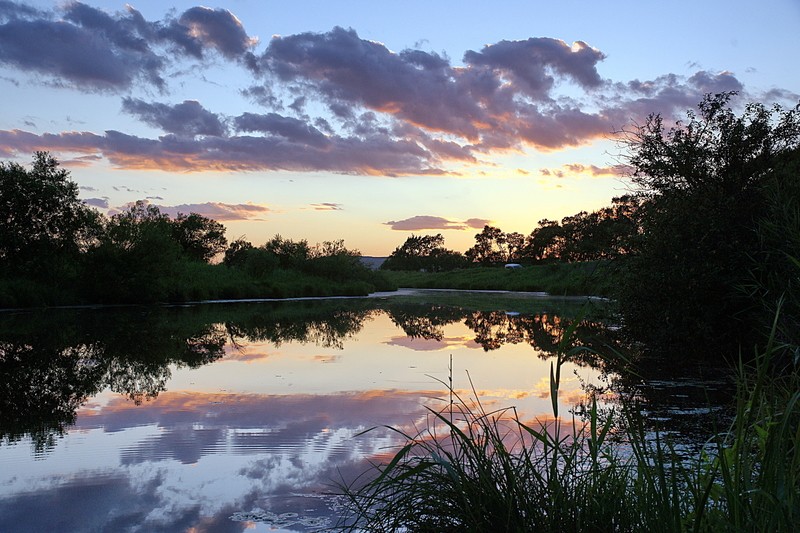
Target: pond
point(244, 416)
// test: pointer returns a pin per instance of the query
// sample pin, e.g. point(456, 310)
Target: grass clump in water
point(475, 470)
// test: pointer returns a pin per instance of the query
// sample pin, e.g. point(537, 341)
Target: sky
point(370, 121)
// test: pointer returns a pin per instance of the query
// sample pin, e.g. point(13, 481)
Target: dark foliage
point(44, 227)
point(718, 245)
point(424, 252)
point(603, 234)
point(200, 237)
point(137, 259)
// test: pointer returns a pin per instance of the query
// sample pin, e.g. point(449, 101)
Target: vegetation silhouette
point(709, 264)
point(424, 252)
point(605, 234)
point(55, 250)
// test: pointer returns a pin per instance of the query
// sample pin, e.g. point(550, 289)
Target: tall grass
point(470, 469)
point(590, 277)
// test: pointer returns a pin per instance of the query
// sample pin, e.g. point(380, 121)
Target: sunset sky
point(368, 121)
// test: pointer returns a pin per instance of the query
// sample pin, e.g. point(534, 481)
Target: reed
point(469, 469)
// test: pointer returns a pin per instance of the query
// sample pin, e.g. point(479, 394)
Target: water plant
point(473, 469)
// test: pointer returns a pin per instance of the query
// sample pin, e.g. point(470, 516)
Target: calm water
point(233, 417)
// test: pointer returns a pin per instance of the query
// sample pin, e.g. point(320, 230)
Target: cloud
point(164, 477)
point(531, 64)
point(218, 211)
point(327, 206)
point(218, 28)
point(18, 141)
point(357, 107)
point(125, 188)
point(708, 82)
point(504, 98)
point(501, 99)
point(97, 202)
point(91, 49)
point(477, 223)
point(669, 95)
point(293, 418)
point(81, 161)
point(289, 128)
point(571, 169)
point(186, 119)
point(549, 172)
point(13, 10)
point(343, 68)
point(429, 345)
point(415, 86)
point(74, 55)
point(426, 222)
point(778, 95)
point(376, 155)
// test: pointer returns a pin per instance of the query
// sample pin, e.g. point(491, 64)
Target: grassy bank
point(209, 282)
point(471, 469)
point(188, 281)
point(586, 278)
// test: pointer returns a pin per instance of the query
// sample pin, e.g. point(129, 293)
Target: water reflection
point(177, 418)
point(53, 361)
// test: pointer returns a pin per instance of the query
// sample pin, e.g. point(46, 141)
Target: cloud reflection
point(421, 344)
point(251, 449)
point(192, 425)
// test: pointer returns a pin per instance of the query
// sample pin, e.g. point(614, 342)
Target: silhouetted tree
point(42, 217)
point(291, 254)
point(137, 259)
point(491, 247)
point(424, 252)
point(200, 238)
point(515, 246)
point(546, 241)
point(333, 260)
point(708, 187)
point(236, 252)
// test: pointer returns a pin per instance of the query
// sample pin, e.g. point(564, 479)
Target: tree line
point(705, 248)
point(54, 249)
point(603, 234)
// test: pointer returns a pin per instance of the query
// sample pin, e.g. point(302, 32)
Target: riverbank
point(190, 282)
point(558, 279)
point(202, 282)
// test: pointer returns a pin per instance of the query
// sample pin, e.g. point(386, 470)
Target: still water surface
point(243, 416)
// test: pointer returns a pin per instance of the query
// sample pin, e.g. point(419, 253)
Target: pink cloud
point(427, 222)
point(218, 211)
point(618, 171)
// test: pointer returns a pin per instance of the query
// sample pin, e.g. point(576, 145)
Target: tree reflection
point(42, 390)
point(424, 321)
point(324, 323)
point(52, 362)
point(493, 329)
